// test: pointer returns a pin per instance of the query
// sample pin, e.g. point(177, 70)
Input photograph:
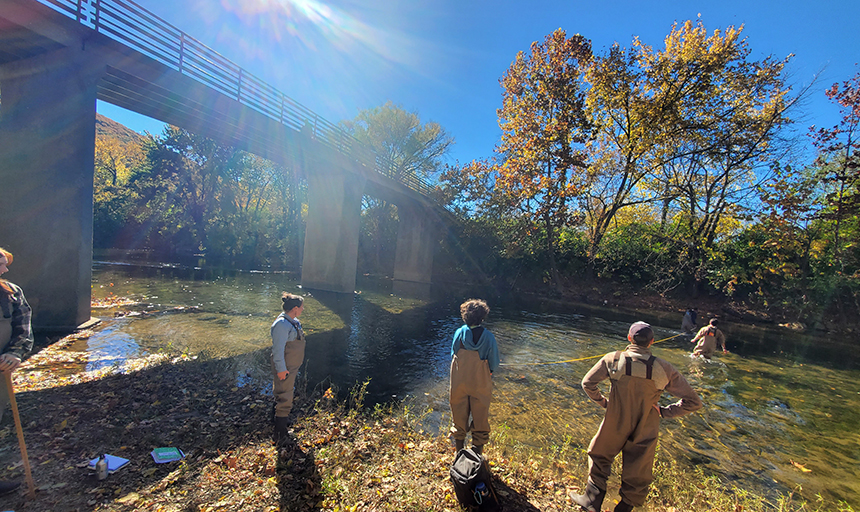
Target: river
point(781, 411)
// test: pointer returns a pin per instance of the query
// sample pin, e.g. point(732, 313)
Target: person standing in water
point(708, 338)
point(288, 353)
point(474, 358)
point(632, 419)
point(16, 339)
point(688, 323)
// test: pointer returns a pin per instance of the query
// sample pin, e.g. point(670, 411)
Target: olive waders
point(284, 390)
point(470, 393)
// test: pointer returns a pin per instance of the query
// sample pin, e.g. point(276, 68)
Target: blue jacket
point(486, 346)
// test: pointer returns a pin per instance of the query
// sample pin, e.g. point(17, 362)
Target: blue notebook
point(113, 462)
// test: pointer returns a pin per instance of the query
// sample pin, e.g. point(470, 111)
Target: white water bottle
point(101, 468)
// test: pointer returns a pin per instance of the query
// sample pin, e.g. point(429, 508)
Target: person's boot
point(8, 487)
point(478, 448)
point(459, 444)
point(623, 506)
point(282, 425)
point(592, 500)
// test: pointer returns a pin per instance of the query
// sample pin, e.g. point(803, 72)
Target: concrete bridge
point(57, 57)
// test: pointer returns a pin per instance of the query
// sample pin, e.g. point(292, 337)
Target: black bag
point(473, 482)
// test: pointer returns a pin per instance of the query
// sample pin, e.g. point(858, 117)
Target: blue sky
point(443, 58)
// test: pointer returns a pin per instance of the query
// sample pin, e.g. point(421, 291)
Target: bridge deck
point(148, 66)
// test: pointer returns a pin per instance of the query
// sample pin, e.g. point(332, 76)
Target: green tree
point(259, 213)
point(773, 261)
point(404, 147)
point(182, 193)
point(184, 190)
point(407, 150)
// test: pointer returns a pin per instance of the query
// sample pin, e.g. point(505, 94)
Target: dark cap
point(640, 332)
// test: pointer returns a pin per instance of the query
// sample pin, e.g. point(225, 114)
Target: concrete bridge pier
point(331, 233)
point(417, 238)
point(47, 147)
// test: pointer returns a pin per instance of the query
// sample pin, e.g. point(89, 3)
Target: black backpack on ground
point(473, 482)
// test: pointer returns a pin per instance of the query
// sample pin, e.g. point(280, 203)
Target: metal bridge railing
point(130, 24)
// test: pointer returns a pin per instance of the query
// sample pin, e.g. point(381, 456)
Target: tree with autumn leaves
point(118, 163)
point(584, 136)
point(803, 251)
point(838, 165)
point(541, 162)
point(721, 115)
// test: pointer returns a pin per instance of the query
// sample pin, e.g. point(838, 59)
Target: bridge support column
point(416, 240)
point(331, 236)
point(47, 146)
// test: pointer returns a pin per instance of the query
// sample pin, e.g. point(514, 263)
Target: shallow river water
point(781, 411)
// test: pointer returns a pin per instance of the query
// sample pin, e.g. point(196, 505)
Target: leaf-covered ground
point(340, 456)
point(337, 458)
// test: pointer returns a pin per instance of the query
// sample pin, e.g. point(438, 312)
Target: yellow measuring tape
point(578, 359)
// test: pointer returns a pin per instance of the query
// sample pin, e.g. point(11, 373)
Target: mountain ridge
point(107, 127)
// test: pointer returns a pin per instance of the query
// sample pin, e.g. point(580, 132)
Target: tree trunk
point(554, 275)
point(590, 270)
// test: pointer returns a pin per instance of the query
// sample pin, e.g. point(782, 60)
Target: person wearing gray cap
point(632, 420)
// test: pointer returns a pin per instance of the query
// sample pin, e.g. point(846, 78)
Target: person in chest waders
point(708, 338)
point(688, 323)
point(474, 358)
point(16, 339)
point(632, 419)
point(288, 353)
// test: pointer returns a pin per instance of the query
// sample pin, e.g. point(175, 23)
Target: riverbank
point(670, 307)
point(341, 454)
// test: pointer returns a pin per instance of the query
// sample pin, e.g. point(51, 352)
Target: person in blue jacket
point(474, 358)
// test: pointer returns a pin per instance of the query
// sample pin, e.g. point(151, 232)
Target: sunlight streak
point(317, 25)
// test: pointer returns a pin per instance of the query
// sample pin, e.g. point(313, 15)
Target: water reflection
point(780, 411)
point(112, 347)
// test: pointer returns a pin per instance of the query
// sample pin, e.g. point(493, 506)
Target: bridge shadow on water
point(395, 343)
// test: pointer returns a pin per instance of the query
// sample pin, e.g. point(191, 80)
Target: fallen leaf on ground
point(801, 467)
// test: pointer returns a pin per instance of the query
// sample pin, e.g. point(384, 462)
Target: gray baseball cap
point(641, 332)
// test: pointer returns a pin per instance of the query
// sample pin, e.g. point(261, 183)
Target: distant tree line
point(668, 168)
point(178, 194)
